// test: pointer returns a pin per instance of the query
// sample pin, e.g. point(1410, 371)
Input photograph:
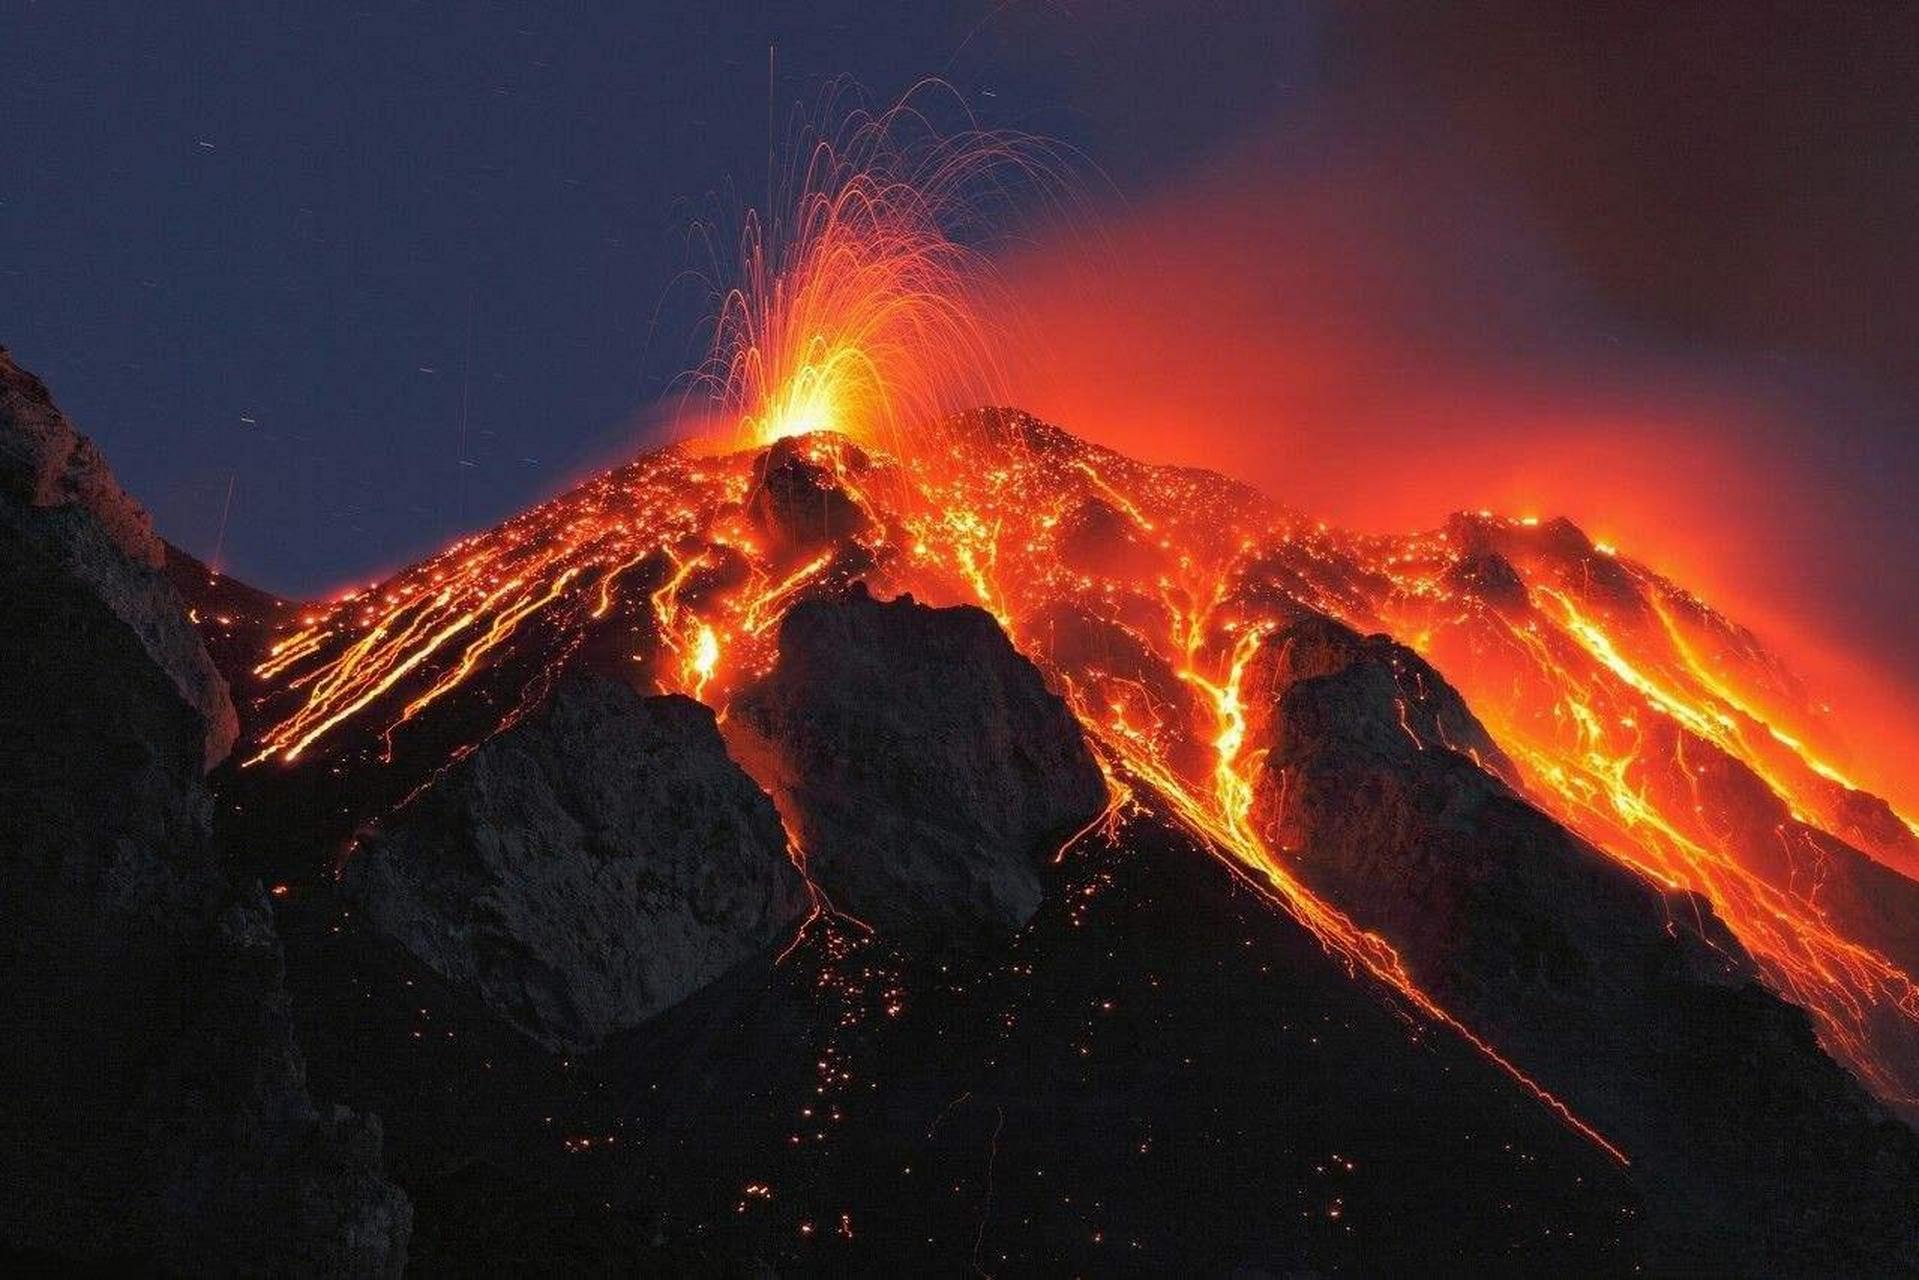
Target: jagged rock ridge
point(64, 505)
point(1381, 782)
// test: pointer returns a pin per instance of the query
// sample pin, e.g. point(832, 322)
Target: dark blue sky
point(288, 242)
point(295, 245)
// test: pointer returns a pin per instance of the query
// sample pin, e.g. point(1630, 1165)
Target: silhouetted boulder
point(928, 770)
point(587, 868)
point(800, 501)
point(1491, 577)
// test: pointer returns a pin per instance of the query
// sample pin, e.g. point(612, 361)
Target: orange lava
point(1669, 737)
point(855, 309)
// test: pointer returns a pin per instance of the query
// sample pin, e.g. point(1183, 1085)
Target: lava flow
point(1643, 720)
point(1669, 737)
point(686, 564)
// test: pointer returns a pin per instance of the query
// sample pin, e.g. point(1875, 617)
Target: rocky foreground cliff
point(157, 1109)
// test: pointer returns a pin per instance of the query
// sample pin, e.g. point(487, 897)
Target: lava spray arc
point(864, 300)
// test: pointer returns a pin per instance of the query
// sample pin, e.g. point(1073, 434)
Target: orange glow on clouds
point(1372, 344)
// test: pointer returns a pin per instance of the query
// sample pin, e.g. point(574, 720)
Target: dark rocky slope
point(1758, 1153)
point(237, 622)
point(1158, 1074)
point(153, 1101)
point(63, 507)
point(587, 868)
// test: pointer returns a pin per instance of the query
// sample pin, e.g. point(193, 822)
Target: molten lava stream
point(990, 526)
point(1599, 719)
point(1218, 819)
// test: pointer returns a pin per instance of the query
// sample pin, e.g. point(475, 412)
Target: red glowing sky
point(1372, 333)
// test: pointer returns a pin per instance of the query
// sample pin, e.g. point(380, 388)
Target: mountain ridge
point(1268, 760)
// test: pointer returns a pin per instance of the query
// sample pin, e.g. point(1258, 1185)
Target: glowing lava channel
point(1615, 724)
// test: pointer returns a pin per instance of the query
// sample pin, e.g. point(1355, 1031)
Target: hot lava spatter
point(1633, 712)
point(855, 304)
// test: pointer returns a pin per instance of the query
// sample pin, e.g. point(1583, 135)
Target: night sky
point(395, 273)
point(293, 240)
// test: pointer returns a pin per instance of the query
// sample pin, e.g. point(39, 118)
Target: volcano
point(992, 853)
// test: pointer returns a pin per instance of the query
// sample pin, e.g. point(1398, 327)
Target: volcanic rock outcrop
point(62, 505)
point(587, 868)
point(153, 1101)
point(1634, 1004)
point(799, 503)
point(926, 766)
point(237, 622)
